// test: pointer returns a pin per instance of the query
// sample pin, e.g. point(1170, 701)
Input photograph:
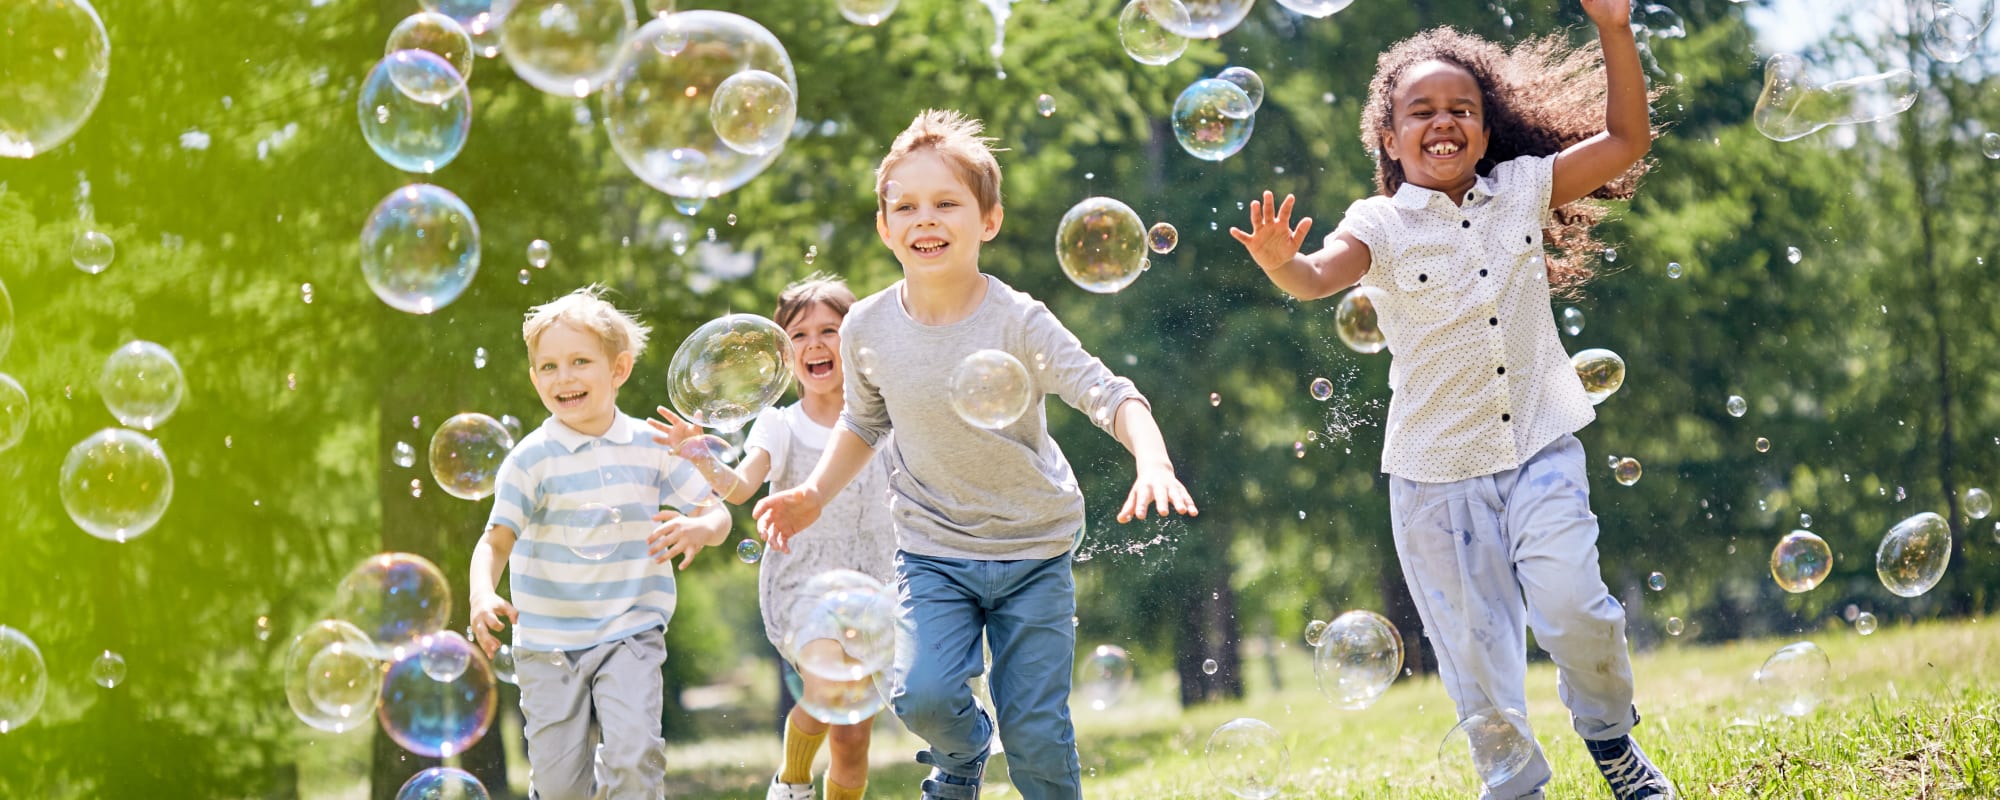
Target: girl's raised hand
point(673, 430)
point(1608, 13)
point(1272, 241)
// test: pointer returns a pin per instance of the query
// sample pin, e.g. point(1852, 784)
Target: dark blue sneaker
point(942, 785)
point(1631, 775)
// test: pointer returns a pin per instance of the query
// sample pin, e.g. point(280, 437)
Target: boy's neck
point(592, 428)
point(943, 298)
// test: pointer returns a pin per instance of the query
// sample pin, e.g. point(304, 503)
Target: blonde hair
point(956, 138)
point(586, 309)
point(818, 288)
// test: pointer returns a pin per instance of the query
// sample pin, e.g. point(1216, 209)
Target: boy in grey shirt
point(985, 518)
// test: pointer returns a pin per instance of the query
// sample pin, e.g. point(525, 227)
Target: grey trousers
point(593, 720)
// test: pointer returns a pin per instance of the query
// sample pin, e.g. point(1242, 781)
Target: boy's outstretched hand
point(677, 535)
point(1157, 487)
point(673, 430)
point(1272, 241)
point(781, 516)
point(487, 610)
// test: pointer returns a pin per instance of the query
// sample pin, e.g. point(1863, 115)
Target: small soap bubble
point(1990, 145)
point(1299, 449)
point(753, 112)
point(1146, 38)
point(1864, 623)
point(1736, 406)
point(1675, 626)
point(1805, 520)
point(812, 252)
point(263, 628)
point(1249, 81)
point(1315, 630)
point(593, 531)
point(867, 12)
point(523, 277)
point(1212, 119)
point(1626, 471)
point(991, 389)
point(1104, 677)
point(731, 219)
point(116, 484)
point(466, 452)
point(512, 424)
point(479, 358)
point(108, 670)
point(1656, 582)
point(1673, 269)
point(1100, 244)
point(444, 660)
point(1248, 757)
point(1322, 389)
point(306, 293)
point(1601, 371)
point(1572, 320)
point(503, 664)
point(1913, 555)
point(1208, 667)
point(1610, 254)
point(1763, 445)
point(403, 455)
point(1355, 320)
point(539, 253)
point(1800, 561)
point(1978, 503)
point(443, 783)
point(1045, 105)
point(92, 252)
point(1793, 255)
point(749, 551)
point(1162, 238)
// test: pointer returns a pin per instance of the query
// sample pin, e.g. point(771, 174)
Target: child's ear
point(882, 229)
point(992, 223)
point(1389, 144)
point(621, 368)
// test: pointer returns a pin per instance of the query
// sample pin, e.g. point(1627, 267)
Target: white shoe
point(788, 791)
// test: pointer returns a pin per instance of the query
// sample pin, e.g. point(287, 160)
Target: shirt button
point(1502, 370)
point(1506, 417)
point(1465, 223)
point(1529, 239)
point(1482, 273)
point(1492, 320)
point(1422, 278)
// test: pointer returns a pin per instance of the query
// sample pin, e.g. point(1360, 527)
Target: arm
point(781, 516)
point(684, 536)
point(740, 481)
point(1274, 244)
point(1628, 133)
point(488, 558)
point(1154, 482)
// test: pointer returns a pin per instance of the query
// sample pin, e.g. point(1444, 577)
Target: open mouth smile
point(1442, 149)
point(929, 247)
point(820, 369)
point(570, 399)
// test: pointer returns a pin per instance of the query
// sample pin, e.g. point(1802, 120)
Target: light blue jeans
point(1488, 557)
point(1025, 609)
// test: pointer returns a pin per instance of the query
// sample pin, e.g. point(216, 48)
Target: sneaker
point(1631, 775)
point(942, 785)
point(788, 791)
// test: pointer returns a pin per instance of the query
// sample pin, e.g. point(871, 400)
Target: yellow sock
point(800, 748)
point(835, 791)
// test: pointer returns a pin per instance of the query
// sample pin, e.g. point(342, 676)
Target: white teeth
point(1442, 149)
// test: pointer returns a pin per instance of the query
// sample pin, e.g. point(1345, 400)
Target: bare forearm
point(715, 525)
point(489, 557)
point(1626, 116)
point(1135, 428)
point(841, 463)
point(1300, 278)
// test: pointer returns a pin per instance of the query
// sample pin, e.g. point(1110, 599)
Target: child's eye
point(547, 367)
point(581, 362)
point(904, 207)
point(1463, 112)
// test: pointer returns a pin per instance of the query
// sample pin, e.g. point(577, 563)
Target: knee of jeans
point(924, 703)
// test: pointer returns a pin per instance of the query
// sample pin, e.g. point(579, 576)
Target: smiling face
point(577, 380)
point(816, 350)
point(934, 224)
point(1437, 127)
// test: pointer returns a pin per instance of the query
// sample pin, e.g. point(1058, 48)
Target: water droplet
point(1214, 399)
point(1045, 105)
point(306, 293)
point(1673, 269)
point(479, 358)
point(731, 219)
point(1793, 255)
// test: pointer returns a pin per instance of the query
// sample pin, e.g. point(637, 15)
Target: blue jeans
point(1025, 609)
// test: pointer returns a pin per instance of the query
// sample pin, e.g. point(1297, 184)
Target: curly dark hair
point(1541, 96)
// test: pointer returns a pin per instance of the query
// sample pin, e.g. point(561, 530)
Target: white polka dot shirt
point(1479, 380)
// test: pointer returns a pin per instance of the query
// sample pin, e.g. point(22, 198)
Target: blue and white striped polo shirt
point(574, 592)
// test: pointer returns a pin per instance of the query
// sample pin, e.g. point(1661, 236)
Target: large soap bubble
point(1800, 561)
point(116, 484)
point(857, 614)
point(54, 59)
point(1248, 758)
point(565, 47)
point(433, 718)
point(24, 679)
point(1104, 677)
point(1356, 321)
point(838, 702)
point(415, 111)
point(1148, 40)
point(711, 454)
point(442, 783)
point(466, 452)
point(657, 105)
point(1793, 680)
point(395, 599)
point(420, 248)
point(1950, 32)
point(332, 679)
point(141, 383)
point(1601, 371)
point(1358, 656)
point(440, 36)
point(1793, 105)
point(1316, 8)
point(753, 112)
point(1205, 19)
point(1101, 245)
point(991, 389)
point(1912, 557)
point(1212, 119)
point(1498, 741)
point(14, 411)
point(728, 370)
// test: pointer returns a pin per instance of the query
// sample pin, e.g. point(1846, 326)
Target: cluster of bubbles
point(1214, 117)
point(420, 248)
point(1101, 245)
point(1497, 741)
point(1355, 658)
point(729, 369)
point(842, 642)
point(466, 452)
point(1356, 322)
point(58, 59)
point(1601, 371)
point(991, 389)
point(1794, 104)
point(1248, 758)
point(1104, 677)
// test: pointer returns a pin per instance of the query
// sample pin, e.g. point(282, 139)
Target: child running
point(1483, 155)
point(854, 531)
point(986, 519)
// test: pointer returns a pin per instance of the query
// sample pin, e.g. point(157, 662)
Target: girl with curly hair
point(1484, 154)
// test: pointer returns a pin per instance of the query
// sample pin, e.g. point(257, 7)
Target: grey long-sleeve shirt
point(956, 490)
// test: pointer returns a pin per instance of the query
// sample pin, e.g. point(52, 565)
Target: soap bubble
point(1763, 445)
point(1498, 740)
point(1675, 626)
point(1356, 321)
point(1610, 254)
point(420, 248)
point(1990, 145)
point(395, 600)
point(14, 410)
point(442, 783)
point(854, 611)
point(512, 424)
point(418, 130)
point(1249, 81)
point(1912, 557)
point(1145, 38)
point(1248, 757)
point(1209, 667)
point(1358, 656)
point(1104, 677)
point(1800, 561)
point(1656, 581)
point(1214, 399)
point(838, 702)
point(404, 455)
point(592, 531)
point(538, 253)
point(58, 58)
point(1793, 105)
point(433, 718)
point(1626, 471)
point(116, 484)
point(1736, 406)
point(442, 660)
point(1572, 320)
point(1045, 106)
point(141, 383)
point(92, 252)
point(753, 112)
point(1977, 502)
point(991, 389)
point(657, 105)
point(1316, 8)
point(749, 551)
point(1315, 631)
point(1100, 244)
point(24, 679)
point(729, 369)
point(1212, 119)
point(108, 670)
point(867, 12)
point(1206, 19)
point(710, 453)
point(1949, 33)
point(1792, 255)
point(1673, 269)
point(332, 680)
point(1322, 389)
point(466, 452)
point(1864, 623)
point(1162, 238)
point(565, 47)
point(1601, 371)
point(1660, 22)
point(6, 321)
point(503, 665)
point(1793, 680)
point(440, 36)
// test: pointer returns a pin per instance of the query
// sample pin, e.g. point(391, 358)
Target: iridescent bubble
point(442, 660)
point(332, 680)
point(838, 702)
point(1209, 667)
point(729, 369)
point(395, 600)
point(1864, 623)
point(1572, 320)
point(438, 35)
point(657, 105)
point(1358, 656)
point(1100, 244)
point(1792, 255)
point(593, 531)
point(141, 384)
point(1601, 371)
point(116, 484)
point(1610, 254)
point(1045, 106)
point(1104, 677)
point(1763, 445)
point(1214, 399)
point(1675, 626)
point(1206, 19)
point(1990, 145)
point(753, 112)
point(420, 248)
point(565, 47)
point(711, 454)
point(1315, 631)
point(1673, 269)
point(24, 679)
point(856, 614)
point(991, 389)
point(538, 253)
point(1627, 471)
point(1316, 8)
point(466, 452)
point(1162, 238)
point(92, 252)
point(1497, 740)
point(433, 718)
point(1800, 561)
point(1355, 320)
point(1736, 406)
point(1299, 450)
point(14, 412)
point(57, 60)
point(1793, 104)
point(1977, 502)
point(1248, 758)
point(1793, 680)
point(108, 670)
point(442, 783)
point(1212, 119)
point(1914, 554)
point(503, 665)
point(420, 129)
point(867, 12)
point(1656, 581)
point(1249, 81)
point(1322, 389)
point(1145, 38)
point(749, 551)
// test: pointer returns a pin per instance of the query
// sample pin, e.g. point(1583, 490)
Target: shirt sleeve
point(1059, 365)
point(514, 494)
point(1363, 222)
point(771, 435)
point(682, 488)
point(1531, 178)
point(865, 414)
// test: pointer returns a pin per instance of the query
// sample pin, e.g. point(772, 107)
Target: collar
point(571, 440)
point(1412, 196)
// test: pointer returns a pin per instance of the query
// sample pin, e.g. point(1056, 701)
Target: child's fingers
point(1299, 233)
point(666, 514)
point(1239, 235)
